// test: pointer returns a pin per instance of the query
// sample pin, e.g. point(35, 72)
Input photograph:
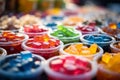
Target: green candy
point(67, 32)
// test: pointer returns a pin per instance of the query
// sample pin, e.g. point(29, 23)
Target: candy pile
point(43, 42)
point(11, 41)
point(112, 29)
point(8, 36)
point(70, 65)
point(13, 23)
point(66, 34)
point(97, 38)
point(34, 29)
point(87, 29)
point(73, 21)
point(51, 25)
point(23, 62)
point(81, 49)
point(63, 31)
point(117, 45)
point(111, 61)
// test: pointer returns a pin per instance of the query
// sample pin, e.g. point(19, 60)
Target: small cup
point(106, 74)
point(8, 75)
point(32, 34)
point(96, 31)
point(104, 45)
point(113, 48)
point(95, 56)
point(13, 46)
point(54, 75)
point(66, 40)
point(46, 53)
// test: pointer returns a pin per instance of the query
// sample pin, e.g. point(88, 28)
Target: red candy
point(8, 36)
point(34, 29)
point(87, 28)
point(70, 65)
point(43, 41)
point(11, 41)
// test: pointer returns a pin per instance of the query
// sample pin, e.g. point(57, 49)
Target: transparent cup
point(13, 46)
point(66, 40)
point(113, 48)
point(53, 75)
point(95, 56)
point(104, 45)
point(32, 34)
point(30, 75)
point(96, 31)
point(106, 74)
point(46, 53)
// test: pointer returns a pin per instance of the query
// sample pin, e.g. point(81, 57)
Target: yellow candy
point(115, 59)
point(85, 52)
point(78, 47)
point(72, 50)
point(54, 11)
point(93, 48)
point(106, 57)
point(116, 67)
point(113, 26)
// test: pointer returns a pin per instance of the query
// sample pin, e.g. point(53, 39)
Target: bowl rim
point(69, 77)
point(86, 41)
point(112, 45)
point(22, 74)
point(96, 54)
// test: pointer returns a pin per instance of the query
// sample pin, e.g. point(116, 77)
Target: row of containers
point(62, 54)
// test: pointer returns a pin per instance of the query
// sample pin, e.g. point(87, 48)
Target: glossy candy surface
point(43, 42)
point(109, 67)
point(70, 66)
point(97, 38)
point(81, 49)
point(51, 25)
point(8, 36)
point(24, 62)
point(34, 29)
point(43, 45)
point(111, 29)
point(65, 34)
point(86, 28)
point(12, 41)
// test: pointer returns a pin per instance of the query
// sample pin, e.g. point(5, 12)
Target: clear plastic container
point(66, 40)
point(104, 45)
point(53, 75)
point(32, 34)
point(113, 48)
point(46, 53)
point(96, 31)
point(106, 74)
point(13, 46)
point(95, 56)
point(30, 75)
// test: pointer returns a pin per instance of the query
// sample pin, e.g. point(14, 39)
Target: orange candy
point(80, 49)
point(112, 61)
point(113, 26)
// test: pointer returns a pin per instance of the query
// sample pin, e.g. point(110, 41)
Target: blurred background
point(25, 6)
